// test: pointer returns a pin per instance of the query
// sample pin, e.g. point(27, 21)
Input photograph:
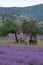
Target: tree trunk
point(31, 37)
point(16, 37)
point(35, 37)
point(30, 41)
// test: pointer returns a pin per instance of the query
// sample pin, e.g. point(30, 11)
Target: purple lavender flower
point(11, 54)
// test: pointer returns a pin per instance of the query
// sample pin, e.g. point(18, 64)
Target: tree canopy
point(9, 27)
point(29, 26)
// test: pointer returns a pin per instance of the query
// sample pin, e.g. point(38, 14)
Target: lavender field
point(11, 54)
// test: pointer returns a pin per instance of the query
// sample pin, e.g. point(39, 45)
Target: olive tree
point(30, 27)
point(10, 27)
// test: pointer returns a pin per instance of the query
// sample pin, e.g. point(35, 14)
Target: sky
point(19, 3)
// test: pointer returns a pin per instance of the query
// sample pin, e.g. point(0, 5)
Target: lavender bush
point(11, 54)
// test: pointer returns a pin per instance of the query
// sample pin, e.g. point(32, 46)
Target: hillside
point(31, 11)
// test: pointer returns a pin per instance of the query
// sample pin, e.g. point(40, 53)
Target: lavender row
point(23, 36)
point(11, 54)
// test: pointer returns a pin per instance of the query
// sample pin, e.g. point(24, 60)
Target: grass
point(7, 41)
point(41, 42)
point(21, 42)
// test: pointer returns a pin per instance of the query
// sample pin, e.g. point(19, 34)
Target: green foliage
point(31, 63)
point(33, 42)
point(9, 27)
point(29, 27)
point(25, 27)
